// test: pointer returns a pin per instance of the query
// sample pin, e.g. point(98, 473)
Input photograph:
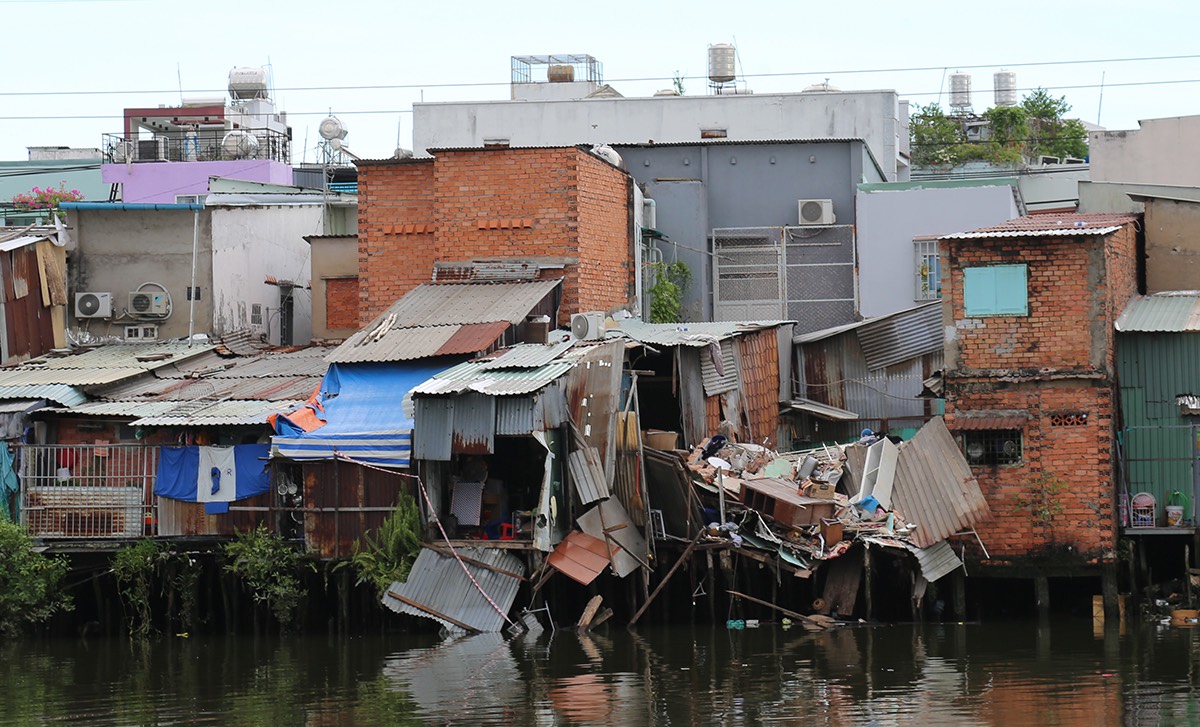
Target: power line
point(905, 94)
point(475, 84)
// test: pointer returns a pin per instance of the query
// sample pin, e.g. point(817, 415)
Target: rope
point(433, 514)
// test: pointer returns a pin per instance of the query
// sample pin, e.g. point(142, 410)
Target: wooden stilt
point(1041, 592)
point(682, 557)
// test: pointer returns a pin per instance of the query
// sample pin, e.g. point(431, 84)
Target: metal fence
point(203, 145)
point(88, 491)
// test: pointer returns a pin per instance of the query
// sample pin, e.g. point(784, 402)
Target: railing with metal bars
point(204, 145)
point(88, 491)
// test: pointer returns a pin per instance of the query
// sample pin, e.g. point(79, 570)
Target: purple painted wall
point(161, 182)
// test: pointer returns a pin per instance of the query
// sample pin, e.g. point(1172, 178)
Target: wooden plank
point(589, 613)
point(431, 612)
point(784, 611)
point(841, 586)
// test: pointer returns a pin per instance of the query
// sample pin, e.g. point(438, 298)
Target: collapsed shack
point(849, 523)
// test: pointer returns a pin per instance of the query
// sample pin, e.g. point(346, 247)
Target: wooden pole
point(431, 612)
point(682, 557)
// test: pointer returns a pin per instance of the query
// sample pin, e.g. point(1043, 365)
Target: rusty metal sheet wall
point(692, 403)
point(715, 381)
point(594, 388)
point(342, 501)
point(28, 324)
point(759, 365)
point(474, 429)
point(515, 415)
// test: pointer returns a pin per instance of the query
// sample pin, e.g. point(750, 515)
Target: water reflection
point(937, 675)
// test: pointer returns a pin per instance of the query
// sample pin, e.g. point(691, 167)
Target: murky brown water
point(996, 674)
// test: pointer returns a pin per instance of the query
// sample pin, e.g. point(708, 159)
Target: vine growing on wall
point(1040, 498)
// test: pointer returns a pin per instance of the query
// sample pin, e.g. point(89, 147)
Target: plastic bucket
point(1174, 515)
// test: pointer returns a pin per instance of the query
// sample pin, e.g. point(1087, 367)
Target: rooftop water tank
point(1005, 85)
point(960, 90)
point(246, 83)
point(722, 63)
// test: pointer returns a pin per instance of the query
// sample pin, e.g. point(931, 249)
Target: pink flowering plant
point(46, 198)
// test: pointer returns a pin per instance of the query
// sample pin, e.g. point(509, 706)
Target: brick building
point(557, 212)
point(1029, 308)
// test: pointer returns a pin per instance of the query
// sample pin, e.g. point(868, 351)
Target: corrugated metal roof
point(1173, 312)
point(66, 377)
point(936, 561)
point(470, 376)
point(934, 488)
point(461, 303)
point(13, 243)
point(123, 356)
point(823, 410)
point(587, 475)
point(403, 344)
point(20, 406)
point(438, 583)
point(527, 356)
point(687, 334)
point(179, 389)
point(740, 142)
point(1051, 225)
point(221, 413)
point(57, 393)
point(902, 336)
point(473, 338)
point(121, 408)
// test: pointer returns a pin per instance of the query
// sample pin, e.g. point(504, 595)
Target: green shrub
point(270, 568)
point(30, 582)
point(388, 556)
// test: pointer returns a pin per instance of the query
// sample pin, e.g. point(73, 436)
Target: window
point(256, 318)
point(996, 290)
point(990, 447)
point(928, 270)
point(190, 198)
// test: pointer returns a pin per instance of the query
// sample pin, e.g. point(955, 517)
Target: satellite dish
point(332, 128)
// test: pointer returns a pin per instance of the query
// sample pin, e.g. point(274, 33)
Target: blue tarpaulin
point(362, 405)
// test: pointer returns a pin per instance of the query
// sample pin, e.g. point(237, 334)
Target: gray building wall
point(1161, 151)
point(701, 186)
point(879, 117)
point(117, 250)
point(889, 217)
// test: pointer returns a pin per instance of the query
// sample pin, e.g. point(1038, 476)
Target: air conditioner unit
point(153, 149)
point(816, 212)
point(587, 326)
point(141, 332)
point(148, 303)
point(93, 305)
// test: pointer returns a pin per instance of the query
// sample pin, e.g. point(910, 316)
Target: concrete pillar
point(1108, 589)
point(1041, 593)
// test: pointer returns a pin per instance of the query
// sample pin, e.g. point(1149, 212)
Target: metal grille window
point(927, 270)
point(990, 447)
point(256, 317)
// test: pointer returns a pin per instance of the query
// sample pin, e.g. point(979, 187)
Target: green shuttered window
point(996, 290)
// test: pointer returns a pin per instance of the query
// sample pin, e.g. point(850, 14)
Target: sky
point(78, 63)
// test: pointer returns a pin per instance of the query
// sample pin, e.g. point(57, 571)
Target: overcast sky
point(90, 59)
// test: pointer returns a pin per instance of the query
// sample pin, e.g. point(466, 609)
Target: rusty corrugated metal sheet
point(759, 367)
point(587, 475)
point(27, 324)
point(177, 518)
point(473, 338)
point(716, 382)
point(712, 415)
point(144, 356)
point(902, 336)
point(474, 430)
point(399, 344)
point(515, 415)
point(438, 583)
point(934, 488)
point(1052, 225)
point(691, 334)
point(362, 497)
point(220, 413)
point(593, 398)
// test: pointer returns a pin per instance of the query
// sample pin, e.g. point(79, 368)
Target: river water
point(992, 674)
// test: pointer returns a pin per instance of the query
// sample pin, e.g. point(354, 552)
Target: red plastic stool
point(507, 532)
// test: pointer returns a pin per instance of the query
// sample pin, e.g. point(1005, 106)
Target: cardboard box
point(821, 490)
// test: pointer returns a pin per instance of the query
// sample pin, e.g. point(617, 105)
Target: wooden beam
point(781, 609)
point(682, 557)
point(431, 612)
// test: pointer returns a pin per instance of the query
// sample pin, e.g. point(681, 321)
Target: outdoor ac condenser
point(587, 326)
point(816, 212)
point(93, 305)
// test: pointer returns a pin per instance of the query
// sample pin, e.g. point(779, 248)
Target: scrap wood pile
point(811, 506)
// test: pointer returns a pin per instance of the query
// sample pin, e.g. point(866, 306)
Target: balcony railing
point(203, 145)
point(88, 491)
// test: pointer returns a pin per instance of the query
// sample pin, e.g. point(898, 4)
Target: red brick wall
point(605, 255)
point(1120, 255)
point(523, 203)
point(1057, 332)
point(393, 259)
point(1081, 457)
point(341, 303)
